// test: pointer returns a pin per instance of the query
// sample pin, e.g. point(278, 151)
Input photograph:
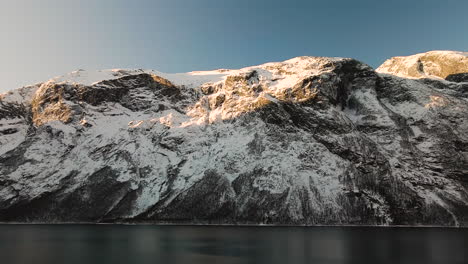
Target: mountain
point(307, 141)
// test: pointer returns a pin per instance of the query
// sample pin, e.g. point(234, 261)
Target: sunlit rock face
point(450, 65)
point(306, 141)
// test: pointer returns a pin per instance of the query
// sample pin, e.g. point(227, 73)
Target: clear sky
point(41, 39)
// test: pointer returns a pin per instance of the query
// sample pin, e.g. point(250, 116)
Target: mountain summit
point(450, 65)
point(307, 141)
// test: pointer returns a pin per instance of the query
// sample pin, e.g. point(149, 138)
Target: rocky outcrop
point(306, 141)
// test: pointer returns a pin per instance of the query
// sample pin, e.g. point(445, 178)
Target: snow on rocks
point(310, 140)
point(433, 64)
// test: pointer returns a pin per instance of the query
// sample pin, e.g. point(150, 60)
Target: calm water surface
point(206, 244)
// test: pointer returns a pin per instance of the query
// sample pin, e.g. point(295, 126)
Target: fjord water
point(219, 244)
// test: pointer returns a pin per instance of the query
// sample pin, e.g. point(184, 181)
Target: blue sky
point(43, 39)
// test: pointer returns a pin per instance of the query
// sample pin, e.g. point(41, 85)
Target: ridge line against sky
point(44, 39)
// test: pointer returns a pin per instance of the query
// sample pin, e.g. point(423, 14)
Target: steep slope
point(306, 141)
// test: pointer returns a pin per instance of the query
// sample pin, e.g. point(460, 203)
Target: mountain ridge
point(310, 140)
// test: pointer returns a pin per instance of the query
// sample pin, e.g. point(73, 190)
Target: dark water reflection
point(201, 244)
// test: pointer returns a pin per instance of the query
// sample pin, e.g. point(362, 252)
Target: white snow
point(20, 95)
point(11, 141)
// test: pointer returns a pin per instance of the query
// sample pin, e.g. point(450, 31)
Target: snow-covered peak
point(89, 77)
point(295, 68)
point(432, 64)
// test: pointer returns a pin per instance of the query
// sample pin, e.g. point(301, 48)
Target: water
point(208, 244)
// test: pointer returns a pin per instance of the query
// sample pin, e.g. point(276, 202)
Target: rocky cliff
point(305, 141)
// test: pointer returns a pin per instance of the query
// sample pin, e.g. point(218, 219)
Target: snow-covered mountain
point(306, 141)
